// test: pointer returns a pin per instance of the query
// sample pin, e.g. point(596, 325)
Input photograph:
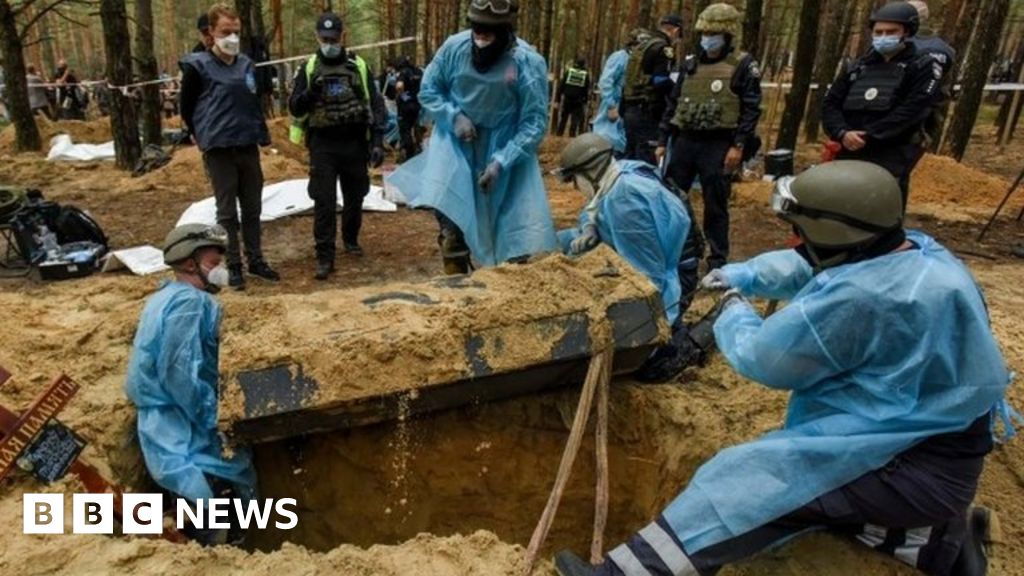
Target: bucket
point(778, 163)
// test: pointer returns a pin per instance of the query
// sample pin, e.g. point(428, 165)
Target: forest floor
point(455, 493)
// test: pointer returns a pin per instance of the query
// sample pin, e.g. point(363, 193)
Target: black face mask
point(885, 244)
point(485, 58)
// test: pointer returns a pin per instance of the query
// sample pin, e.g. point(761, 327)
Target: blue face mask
point(712, 44)
point(886, 45)
point(330, 50)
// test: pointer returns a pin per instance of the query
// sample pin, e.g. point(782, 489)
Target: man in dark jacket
point(407, 90)
point(221, 109)
point(574, 91)
point(879, 106)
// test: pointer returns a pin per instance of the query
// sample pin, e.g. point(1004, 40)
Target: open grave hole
point(487, 467)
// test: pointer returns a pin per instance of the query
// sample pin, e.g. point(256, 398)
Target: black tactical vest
point(343, 98)
point(873, 86)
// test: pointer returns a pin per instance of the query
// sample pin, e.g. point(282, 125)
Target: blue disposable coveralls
point(613, 76)
point(879, 355)
point(645, 224)
point(508, 106)
point(172, 380)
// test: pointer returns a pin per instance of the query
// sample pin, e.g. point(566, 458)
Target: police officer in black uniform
point(574, 91)
point(407, 89)
point(711, 117)
point(337, 109)
point(879, 106)
point(944, 56)
point(647, 85)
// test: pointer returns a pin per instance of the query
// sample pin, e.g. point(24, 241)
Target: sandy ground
point(475, 479)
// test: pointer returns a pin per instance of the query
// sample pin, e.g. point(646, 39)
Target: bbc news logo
point(144, 513)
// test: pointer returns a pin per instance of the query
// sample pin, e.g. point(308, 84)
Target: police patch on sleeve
point(250, 82)
point(871, 94)
point(669, 53)
point(936, 70)
point(755, 70)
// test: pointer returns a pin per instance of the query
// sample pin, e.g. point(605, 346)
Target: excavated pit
point(487, 467)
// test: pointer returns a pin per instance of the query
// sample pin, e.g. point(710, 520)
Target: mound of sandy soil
point(484, 467)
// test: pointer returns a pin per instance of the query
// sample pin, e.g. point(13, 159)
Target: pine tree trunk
point(752, 26)
point(26, 133)
point(803, 68)
point(117, 43)
point(832, 40)
point(982, 53)
point(145, 60)
point(244, 9)
point(643, 15)
point(961, 36)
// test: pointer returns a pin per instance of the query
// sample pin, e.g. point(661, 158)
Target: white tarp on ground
point(141, 260)
point(63, 150)
point(288, 198)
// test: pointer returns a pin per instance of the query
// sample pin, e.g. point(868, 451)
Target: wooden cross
point(18, 432)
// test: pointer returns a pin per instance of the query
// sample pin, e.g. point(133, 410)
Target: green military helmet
point(721, 18)
point(182, 242)
point(638, 36)
point(493, 12)
point(586, 153)
point(842, 204)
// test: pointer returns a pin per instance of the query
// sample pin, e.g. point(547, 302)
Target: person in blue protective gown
point(632, 210)
point(608, 122)
point(172, 380)
point(487, 94)
point(895, 381)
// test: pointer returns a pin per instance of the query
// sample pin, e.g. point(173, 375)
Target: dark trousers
point(914, 509)
point(237, 180)
point(411, 135)
point(898, 159)
point(703, 154)
point(572, 113)
point(641, 126)
point(343, 163)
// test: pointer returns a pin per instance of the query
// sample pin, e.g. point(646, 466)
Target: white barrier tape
point(124, 89)
point(998, 87)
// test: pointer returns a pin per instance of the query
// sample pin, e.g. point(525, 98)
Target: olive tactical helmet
point(493, 12)
point(899, 12)
point(844, 204)
point(719, 17)
point(585, 154)
point(183, 241)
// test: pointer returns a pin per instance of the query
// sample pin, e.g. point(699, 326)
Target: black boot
point(263, 270)
point(324, 270)
point(973, 559)
point(569, 564)
point(353, 249)
point(235, 277)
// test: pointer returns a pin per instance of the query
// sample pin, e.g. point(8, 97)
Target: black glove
point(376, 156)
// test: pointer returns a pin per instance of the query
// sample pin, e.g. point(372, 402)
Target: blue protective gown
point(645, 224)
point(879, 355)
point(508, 106)
point(172, 380)
point(613, 77)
